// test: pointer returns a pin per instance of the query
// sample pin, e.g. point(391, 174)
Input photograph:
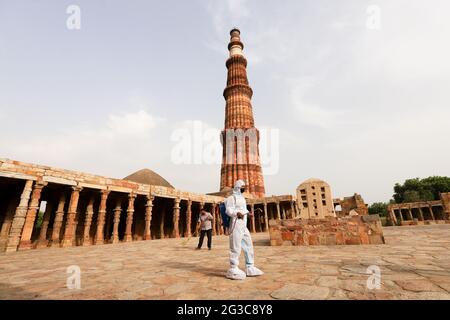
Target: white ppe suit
point(240, 238)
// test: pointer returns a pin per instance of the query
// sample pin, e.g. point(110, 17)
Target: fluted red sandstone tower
point(240, 138)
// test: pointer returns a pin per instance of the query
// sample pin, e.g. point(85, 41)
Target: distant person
point(240, 239)
point(205, 225)
point(225, 218)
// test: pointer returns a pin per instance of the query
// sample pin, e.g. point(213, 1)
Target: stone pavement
point(414, 263)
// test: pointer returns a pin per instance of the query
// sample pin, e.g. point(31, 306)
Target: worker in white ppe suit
point(240, 239)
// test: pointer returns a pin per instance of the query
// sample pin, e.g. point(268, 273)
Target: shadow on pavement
point(207, 271)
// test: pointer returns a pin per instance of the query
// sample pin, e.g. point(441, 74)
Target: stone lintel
point(272, 199)
point(59, 180)
point(119, 189)
point(93, 186)
point(143, 189)
point(16, 175)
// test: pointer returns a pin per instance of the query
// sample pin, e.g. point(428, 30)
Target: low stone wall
point(365, 229)
point(417, 222)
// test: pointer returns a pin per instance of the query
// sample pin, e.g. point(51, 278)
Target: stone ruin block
point(355, 230)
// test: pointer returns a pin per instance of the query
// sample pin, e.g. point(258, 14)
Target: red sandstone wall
point(329, 231)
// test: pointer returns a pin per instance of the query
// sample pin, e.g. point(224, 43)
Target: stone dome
point(314, 180)
point(147, 176)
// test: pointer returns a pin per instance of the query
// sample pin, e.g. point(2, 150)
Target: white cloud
point(309, 113)
point(132, 124)
point(96, 148)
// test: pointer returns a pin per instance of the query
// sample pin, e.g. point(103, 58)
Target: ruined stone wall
point(315, 199)
point(329, 231)
point(351, 205)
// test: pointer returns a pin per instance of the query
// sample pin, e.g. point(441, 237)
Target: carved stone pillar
point(130, 212)
point(266, 218)
point(57, 223)
point(6, 225)
point(252, 209)
point(220, 230)
point(278, 211)
point(33, 208)
point(176, 218)
point(101, 218)
point(117, 212)
point(214, 222)
point(161, 225)
point(88, 221)
point(148, 218)
point(410, 216)
point(69, 231)
point(420, 214)
point(19, 218)
point(188, 218)
point(292, 210)
point(393, 217)
point(431, 212)
point(42, 241)
point(401, 215)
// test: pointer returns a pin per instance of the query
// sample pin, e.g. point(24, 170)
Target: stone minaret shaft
point(240, 160)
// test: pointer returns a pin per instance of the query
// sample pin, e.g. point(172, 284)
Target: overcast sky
point(360, 107)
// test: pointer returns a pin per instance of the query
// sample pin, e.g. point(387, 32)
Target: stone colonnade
point(417, 213)
point(265, 209)
point(76, 215)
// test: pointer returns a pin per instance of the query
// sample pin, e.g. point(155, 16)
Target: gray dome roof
point(147, 176)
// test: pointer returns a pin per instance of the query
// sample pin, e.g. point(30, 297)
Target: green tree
point(411, 196)
point(421, 189)
point(40, 218)
point(378, 208)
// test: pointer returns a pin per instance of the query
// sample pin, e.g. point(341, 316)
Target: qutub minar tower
point(240, 160)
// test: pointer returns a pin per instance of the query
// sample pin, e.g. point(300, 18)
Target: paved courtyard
point(414, 263)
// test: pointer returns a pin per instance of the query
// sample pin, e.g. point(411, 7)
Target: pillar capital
point(77, 188)
point(40, 184)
